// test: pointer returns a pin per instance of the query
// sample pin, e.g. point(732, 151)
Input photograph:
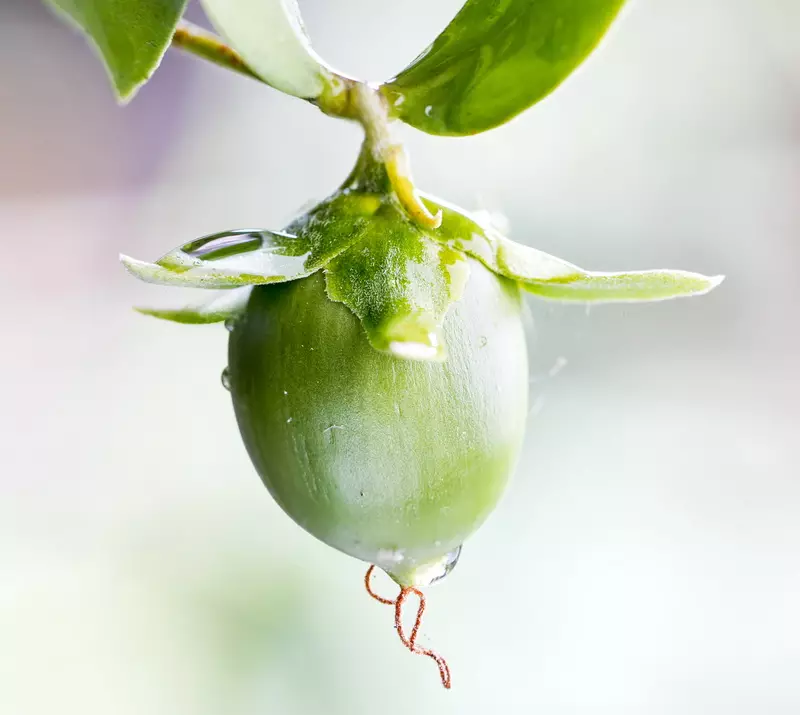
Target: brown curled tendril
point(411, 641)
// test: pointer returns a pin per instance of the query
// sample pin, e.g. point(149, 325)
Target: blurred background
point(647, 558)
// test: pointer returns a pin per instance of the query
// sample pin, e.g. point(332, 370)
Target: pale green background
point(647, 558)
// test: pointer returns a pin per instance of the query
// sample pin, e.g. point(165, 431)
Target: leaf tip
point(124, 96)
point(132, 265)
point(146, 311)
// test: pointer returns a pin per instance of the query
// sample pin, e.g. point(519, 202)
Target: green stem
point(206, 45)
point(369, 108)
point(344, 98)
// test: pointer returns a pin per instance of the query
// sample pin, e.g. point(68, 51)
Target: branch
point(206, 45)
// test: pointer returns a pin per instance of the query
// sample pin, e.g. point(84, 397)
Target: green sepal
point(130, 36)
point(227, 305)
point(400, 283)
point(552, 278)
point(231, 259)
point(496, 59)
point(337, 223)
point(398, 278)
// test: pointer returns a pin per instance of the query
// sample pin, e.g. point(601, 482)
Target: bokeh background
point(647, 558)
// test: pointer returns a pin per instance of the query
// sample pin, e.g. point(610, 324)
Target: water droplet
point(230, 324)
point(450, 561)
point(427, 574)
point(226, 379)
point(483, 342)
point(288, 421)
point(222, 245)
point(428, 110)
point(269, 253)
point(285, 392)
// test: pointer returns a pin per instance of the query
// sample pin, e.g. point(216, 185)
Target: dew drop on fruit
point(230, 324)
point(225, 378)
point(437, 570)
point(450, 563)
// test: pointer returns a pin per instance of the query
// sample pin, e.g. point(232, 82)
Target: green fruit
point(378, 362)
point(395, 462)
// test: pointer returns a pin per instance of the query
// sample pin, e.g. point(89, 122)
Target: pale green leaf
point(269, 35)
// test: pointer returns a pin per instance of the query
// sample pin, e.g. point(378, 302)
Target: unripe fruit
point(393, 461)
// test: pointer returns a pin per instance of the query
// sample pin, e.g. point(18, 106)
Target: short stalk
point(344, 98)
point(370, 109)
point(195, 40)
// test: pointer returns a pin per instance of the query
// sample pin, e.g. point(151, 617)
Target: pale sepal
point(553, 278)
point(228, 260)
point(224, 306)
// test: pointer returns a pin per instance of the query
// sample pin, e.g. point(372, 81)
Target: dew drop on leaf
point(223, 245)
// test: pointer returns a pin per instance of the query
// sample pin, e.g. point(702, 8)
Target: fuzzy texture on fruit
point(395, 462)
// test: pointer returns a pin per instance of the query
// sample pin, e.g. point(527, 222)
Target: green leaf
point(227, 305)
point(549, 277)
point(130, 35)
point(400, 283)
point(494, 60)
point(269, 35)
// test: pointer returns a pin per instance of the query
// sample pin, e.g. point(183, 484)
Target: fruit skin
point(392, 461)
